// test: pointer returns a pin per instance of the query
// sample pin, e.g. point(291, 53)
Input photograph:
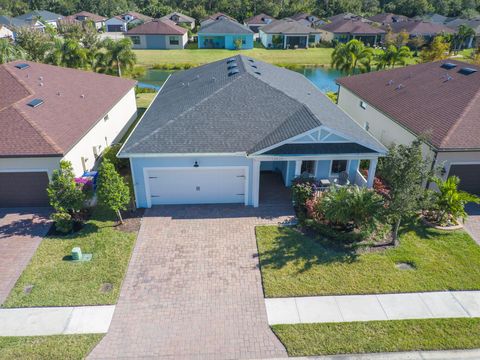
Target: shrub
point(113, 191)
point(238, 44)
point(110, 154)
point(64, 193)
point(63, 222)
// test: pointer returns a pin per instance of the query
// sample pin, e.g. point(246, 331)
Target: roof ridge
point(461, 118)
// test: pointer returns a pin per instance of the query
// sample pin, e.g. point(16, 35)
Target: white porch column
point(284, 41)
point(298, 168)
point(255, 182)
point(371, 172)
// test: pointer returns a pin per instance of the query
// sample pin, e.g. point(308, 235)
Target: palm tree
point(352, 57)
point(463, 34)
point(118, 55)
point(9, 51)
point(393, 56)
point(68, 53)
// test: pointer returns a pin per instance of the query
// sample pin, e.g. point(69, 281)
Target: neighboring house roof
point(343, 16)
point(435, 18)
point(208, 109)
point(418, 27)
point(217, 16)
point(473, 23)
point(74, 101)
point(426, 99)
point(88, 15)
point(14, 22)
point(181, 17)
point(287, 26)
point(353, 26)
point(40, 14)
point(157, 27)
point(259, 19)
point(135, 15)
point(304, 16)
point(5, 32)
point(387, 18)
point(223, 26)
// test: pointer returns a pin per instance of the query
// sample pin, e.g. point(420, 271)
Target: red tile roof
point(158, 27)
point(351, 26)
point(74, 101)
point(428, 100)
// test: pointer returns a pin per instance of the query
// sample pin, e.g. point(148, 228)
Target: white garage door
point(196, 185)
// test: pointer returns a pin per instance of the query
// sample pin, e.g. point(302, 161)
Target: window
point(174, 40)
point(308, 167)
point(363, 105)
point(135, 40)
point(311, 39)
point(338, 166)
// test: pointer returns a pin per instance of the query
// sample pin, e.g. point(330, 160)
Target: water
point(323, 78)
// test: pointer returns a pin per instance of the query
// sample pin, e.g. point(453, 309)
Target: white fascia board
point(366, 156)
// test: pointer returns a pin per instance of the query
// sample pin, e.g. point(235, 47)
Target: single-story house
point(474, 23)
point(83, 16)
point(5, 32)
point(288, 34)
point(256, 22)
point(158, 34)
point(122, 23)
point(216, 16)
point(307, 19)
point(414, 28)
point(223, 34)
point(12, 24)
point(348, 29)
point(439, 100)
point(387, 18)
point(212, 131)
point(50, 113)
point(346, 16)
point(180, 19)
point(44, 16)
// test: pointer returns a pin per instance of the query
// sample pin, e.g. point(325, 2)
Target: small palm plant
point(451, 201)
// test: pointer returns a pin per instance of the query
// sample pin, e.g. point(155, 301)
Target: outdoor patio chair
point(342, 179)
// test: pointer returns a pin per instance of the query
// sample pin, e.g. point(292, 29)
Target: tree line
point(242, 9)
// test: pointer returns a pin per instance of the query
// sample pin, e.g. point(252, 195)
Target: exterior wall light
point(195, 164)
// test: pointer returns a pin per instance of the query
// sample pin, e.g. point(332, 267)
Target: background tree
point(392, 56)
point(352, 57)
point(9, 51)
point(406, 171)
point(117, 57)
point(112, 190)
point(437, 50)
point(36, 44)
point(464, 35)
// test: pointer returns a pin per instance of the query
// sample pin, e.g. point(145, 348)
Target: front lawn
point(61, 347)
point(294, 264)
point(57, 282)
point(379, 336)
point(195, 57)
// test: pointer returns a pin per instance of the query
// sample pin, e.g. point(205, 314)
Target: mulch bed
point(131, 220)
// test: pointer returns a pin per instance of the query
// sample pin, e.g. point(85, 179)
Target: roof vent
point(232, 66)
point(448, 77)
point(233, 72)
point(22, 66)
point(251, 60)
point(258, 73)
point(467, 71)
point(400, 86)
point(449, 66)
point(254, 66)
point(82, 96)
point(35, 102)
point(390, 82)
point(230, 60)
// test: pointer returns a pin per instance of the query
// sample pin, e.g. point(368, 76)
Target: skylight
point(22, 66)
point(449, 66)
point(467, 71)
point(35, 102)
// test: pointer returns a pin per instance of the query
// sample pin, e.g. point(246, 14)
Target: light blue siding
point(138, 164)
point(224, 41)
point(156, 42)
point(291, 172)
point(322, 170)
point(352, 170)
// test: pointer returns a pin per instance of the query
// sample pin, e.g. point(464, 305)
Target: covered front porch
point(269, 173)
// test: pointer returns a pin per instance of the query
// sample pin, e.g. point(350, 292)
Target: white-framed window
point(363, 105)
point(338, 166)
point(174, 40)
point(135, 40)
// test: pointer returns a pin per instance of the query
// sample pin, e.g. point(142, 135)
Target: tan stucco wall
point(47, 164)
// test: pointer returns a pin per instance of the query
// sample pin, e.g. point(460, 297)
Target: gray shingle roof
point(287, 26)
point(40, 14)
point(223, 26)
point(204, 110)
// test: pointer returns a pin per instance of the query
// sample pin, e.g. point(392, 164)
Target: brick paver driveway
point(21, 231)
point(193, 288)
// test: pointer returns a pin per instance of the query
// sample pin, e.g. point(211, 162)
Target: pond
point(323, 78)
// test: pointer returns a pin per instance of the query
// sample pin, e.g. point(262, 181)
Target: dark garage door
point(18, 189)
point(115, 28)
point(469, 177)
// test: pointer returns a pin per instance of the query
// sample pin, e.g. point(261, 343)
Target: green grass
point(143, 100)
point(57, 282)
point(61, 347)
point(296, 265)
point(195, 57)
point(379, 336)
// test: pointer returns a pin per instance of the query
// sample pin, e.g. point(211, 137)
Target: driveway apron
point(193, 288)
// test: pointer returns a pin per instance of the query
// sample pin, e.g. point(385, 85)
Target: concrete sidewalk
point(55, 320)
point(321, 309)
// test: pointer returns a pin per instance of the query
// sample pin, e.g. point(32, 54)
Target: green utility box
point(76, 254)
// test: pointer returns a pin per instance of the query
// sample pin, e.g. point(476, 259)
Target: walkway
point(472, 225)
point(55, 320)
point(21, 231)
point(193, 288)
point(321, 309)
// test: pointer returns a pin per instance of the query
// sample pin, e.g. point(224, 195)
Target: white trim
point(335, 175)
point(148, 107)
point(134, 183)
point(256, 182)
point(367, 156)
point(13, 170)
point(148, 194)
point(298, 167)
